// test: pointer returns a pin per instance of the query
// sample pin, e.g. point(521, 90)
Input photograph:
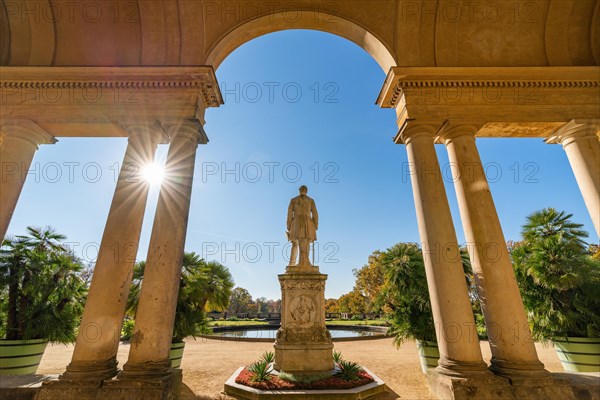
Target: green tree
point(331, 306)
point(43, 293)
point(353, 302)
point(558, 277)
point(240, 302)
point(274, 306)
point(262, 305)
point(369, 280)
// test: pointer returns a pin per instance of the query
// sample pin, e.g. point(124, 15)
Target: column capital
point(575, 130)
point(26, 130)
point(139, 130)
point(189, 129)
point(450, 131)
point(412, 130)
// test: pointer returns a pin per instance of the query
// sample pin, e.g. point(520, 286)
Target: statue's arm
point(315, 214)
point(290, 215)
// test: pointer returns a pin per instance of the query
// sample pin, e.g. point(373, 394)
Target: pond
point(269, 333)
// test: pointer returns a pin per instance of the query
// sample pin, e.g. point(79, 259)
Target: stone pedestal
point(303, 344)
point(493, 387)
point(165, 387)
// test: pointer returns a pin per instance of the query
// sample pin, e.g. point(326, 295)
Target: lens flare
point(153, 174)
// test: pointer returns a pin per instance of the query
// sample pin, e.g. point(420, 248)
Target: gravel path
point(207, 363)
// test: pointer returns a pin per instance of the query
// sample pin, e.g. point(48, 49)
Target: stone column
point(151, 341)
point(458, 343)
point(513, 350)
point(94, 357)
point(19, 140)
point(582, 145)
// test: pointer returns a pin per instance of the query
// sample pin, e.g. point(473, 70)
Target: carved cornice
point(303, 285)
point(97, 101)
point(402, 86)
point(201, 78)
point(504, 102)
point(401, 79)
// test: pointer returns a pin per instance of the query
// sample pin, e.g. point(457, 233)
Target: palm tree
point(549, 222)
point(45, 292)
point(213, 282)
point(558, 278)
point(203, 284)
point(405, 293)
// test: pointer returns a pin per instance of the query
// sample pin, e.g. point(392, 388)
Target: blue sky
point(300, 109)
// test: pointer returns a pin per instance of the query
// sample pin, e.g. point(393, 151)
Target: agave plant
point(349, 370)
point(261, 371)
point(337, 356)
point(268, 357)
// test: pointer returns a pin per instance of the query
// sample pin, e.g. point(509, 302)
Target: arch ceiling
point(442, 33)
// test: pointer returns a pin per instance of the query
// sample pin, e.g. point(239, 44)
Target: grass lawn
point(372, 322)
point(236, 323)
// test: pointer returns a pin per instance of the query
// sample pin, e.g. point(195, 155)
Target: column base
point(518, 370)
point(460, 369)
point(90, 371)
point(166, 387)
point(145, 371)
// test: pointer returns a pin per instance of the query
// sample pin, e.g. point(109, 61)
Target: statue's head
point(303, 189)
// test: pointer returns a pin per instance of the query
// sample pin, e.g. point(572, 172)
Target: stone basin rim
point(381, 329)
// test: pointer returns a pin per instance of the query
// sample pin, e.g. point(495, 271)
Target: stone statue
point(302, 225)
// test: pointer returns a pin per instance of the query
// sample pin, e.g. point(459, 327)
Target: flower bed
point(276, 383)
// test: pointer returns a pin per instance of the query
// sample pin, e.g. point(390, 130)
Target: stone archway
point(302, 19)
point(443, 57)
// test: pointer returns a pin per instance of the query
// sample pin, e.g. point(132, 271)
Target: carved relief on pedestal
point(302, 310)
point(313, 334)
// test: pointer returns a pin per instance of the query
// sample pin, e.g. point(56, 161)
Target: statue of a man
point(302, 225)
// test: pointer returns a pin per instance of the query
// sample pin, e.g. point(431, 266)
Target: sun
point(153, 174)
